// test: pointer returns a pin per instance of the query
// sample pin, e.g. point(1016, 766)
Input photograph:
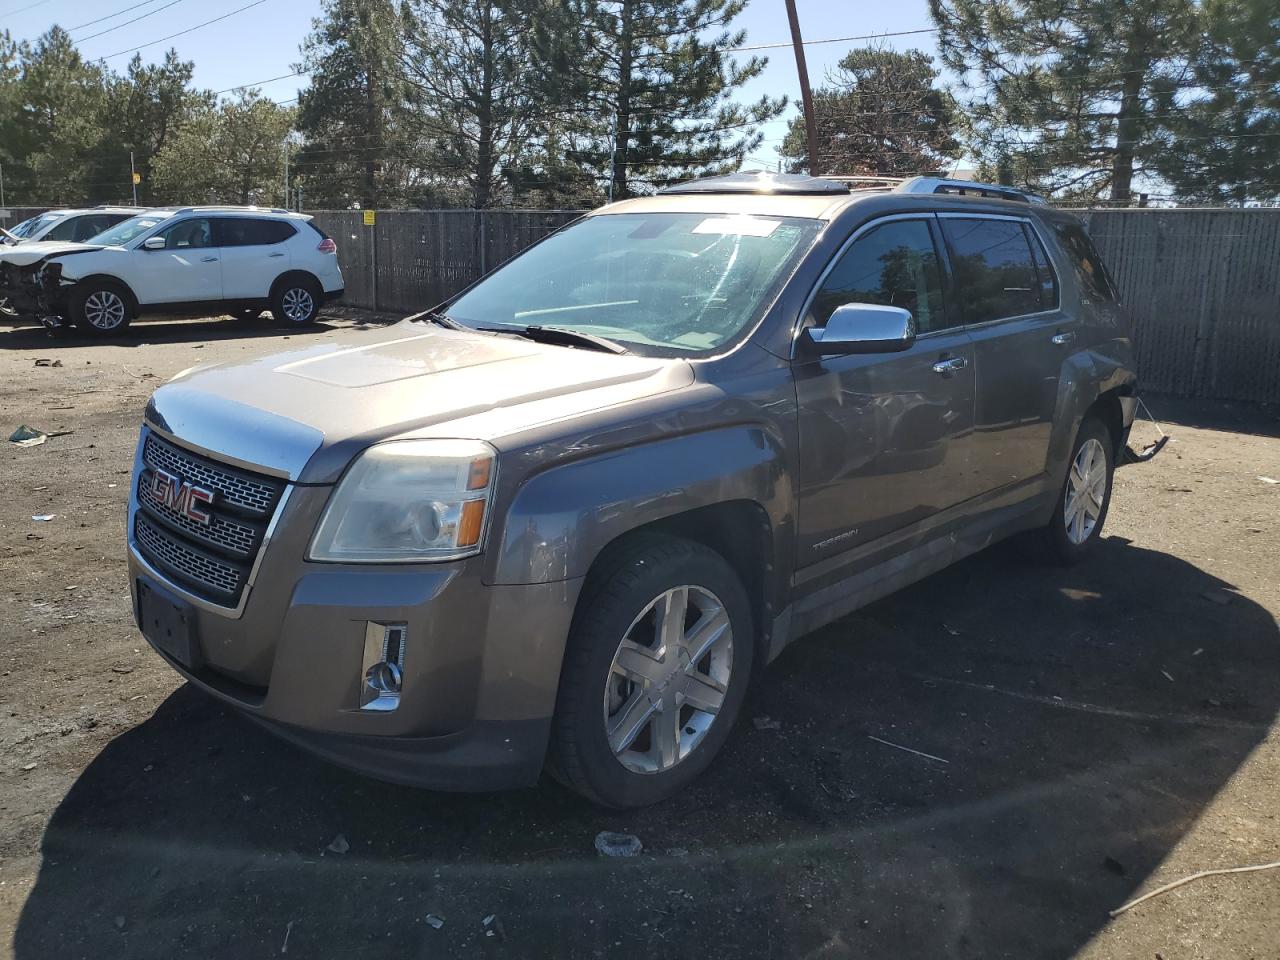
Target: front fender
point(560, 519)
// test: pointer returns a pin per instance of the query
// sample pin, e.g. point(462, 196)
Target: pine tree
point(879, 113)
point(651, 83)
point(1065, 98)
point(353, 114)
point(1223, 146)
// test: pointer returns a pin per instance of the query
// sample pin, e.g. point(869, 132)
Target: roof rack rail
point(967, 188)
point(864, 182)
point(219, 207)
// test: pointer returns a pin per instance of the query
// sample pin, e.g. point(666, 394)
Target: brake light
point(327, 246)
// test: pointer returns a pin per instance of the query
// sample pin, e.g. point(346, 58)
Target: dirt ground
point(1097, 732)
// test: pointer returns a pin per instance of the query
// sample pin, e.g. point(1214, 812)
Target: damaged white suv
point(191, 260)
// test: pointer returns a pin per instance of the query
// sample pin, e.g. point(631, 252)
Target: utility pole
point(1, 186)
point(133, 178)
point(806, 96)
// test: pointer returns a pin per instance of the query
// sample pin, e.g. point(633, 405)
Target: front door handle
point(275, 255)
point(1062, 339)
point(949, 365)
point(208, 259)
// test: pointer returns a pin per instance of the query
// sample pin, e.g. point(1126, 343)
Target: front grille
point(212, 561)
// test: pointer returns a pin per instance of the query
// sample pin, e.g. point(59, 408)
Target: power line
point(109, 16)
point(121, 26)
point(259, 83)
point(807, 43)
point(30, 6)
point(182, 33)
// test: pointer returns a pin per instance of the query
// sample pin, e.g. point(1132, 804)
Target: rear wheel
point(296, 302)
point(658, 662)
point(100, 308)
point(1086, 494)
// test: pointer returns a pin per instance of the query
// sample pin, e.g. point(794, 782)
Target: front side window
point(247, 232)
point(125, 231)
point(188, 234)
point(658, 283)
point(995, 271)
point(895, 265)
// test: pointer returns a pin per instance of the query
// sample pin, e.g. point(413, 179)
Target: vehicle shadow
point(1062, 766)
point(29, 336)
point(1259, 419)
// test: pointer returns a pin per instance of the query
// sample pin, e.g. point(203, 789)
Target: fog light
point(383, 666)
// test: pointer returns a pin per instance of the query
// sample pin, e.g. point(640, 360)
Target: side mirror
point(154, 243)
point(861, 328)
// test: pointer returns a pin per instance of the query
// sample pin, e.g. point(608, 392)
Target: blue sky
point(262, 42)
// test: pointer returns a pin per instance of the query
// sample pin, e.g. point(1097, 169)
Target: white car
point(191, 260)
point(78, 225)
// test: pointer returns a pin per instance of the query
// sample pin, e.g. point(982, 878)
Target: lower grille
point(210, 559)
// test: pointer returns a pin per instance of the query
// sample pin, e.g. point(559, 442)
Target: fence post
point(484, 245)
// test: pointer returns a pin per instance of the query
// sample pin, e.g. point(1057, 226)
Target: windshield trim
point(642, 348)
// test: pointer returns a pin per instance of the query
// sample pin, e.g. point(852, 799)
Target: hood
point(306, 412)
point(25, 254)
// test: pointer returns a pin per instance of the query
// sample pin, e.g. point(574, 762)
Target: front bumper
point(481, 662)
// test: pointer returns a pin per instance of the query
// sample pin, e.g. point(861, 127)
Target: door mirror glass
point(863, 328)
point(154, 243)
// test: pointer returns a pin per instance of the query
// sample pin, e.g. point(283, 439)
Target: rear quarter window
point(1091, 273)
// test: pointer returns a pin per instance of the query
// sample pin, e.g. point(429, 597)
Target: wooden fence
point(1202, 286)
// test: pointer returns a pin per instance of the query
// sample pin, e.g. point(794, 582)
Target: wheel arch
point(131, 299)
point(293, 275)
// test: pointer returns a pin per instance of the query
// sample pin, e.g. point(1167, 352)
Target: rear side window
point(248, 232)
point(1091, 273)
point(895, 265)
point(65, 230)
point(89, 227)
point(996, 273)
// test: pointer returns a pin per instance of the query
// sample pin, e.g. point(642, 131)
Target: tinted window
point(1091, 274)
point(995, 272)
point(894, 264)
point(245, 232)
point(63, 231)
point(1044, 270)
point(87, 227)
point(188, 234)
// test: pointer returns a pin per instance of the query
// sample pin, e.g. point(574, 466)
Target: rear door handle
point(208, 259)
point(1062, 339)
point(275, 255)
point(949, 365)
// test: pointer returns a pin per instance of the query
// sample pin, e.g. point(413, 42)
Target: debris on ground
point(1268, 480)
point(434, 922)
point(30, 766)
point(493, 927)
point(119, 922)
point(43, 517)
point(766, 723)
point(26, 436)
point(898, 746)
point(1195, 876)
point(122, 669)
point(288, 929)
point(610, 844)
point(1167, 675)
point(47, 362)
point(1220, 597)
point(339, 845)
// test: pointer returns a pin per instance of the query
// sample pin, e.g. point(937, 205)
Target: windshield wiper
point(442, 319)
point(568, 338)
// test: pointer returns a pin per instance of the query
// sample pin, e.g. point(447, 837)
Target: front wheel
point(101, 309)
point(1086, 494)
point(657, 665)
point(296, 303)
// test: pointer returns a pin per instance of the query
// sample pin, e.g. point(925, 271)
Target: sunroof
point(760, 182)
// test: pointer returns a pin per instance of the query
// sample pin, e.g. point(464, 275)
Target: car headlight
point(409, 500)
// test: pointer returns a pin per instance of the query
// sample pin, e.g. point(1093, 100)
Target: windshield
point(677, 282)
point(125, 231)
point(29, 228)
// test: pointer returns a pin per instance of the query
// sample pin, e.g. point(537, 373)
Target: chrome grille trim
point(213, 566)
point(257, 496)
point(203, 571)
point(222, 533)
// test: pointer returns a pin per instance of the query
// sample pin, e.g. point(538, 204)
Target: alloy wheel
point(1086, 491)
point(298, 304)
point(668, 679)
point(104, 310)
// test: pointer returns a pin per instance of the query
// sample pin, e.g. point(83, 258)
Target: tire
point(295, 302)
point(6, 310)
point(1076, 524)
point(100, 308)
point(634, 724)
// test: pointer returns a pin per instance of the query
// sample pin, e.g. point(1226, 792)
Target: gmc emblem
point(180, 496)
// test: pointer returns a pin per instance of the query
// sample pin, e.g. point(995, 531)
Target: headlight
point(409, 500)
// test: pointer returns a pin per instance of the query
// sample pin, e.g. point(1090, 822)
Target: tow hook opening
point(1150, 450)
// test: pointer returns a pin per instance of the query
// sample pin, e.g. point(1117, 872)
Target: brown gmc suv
point(560, 520)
